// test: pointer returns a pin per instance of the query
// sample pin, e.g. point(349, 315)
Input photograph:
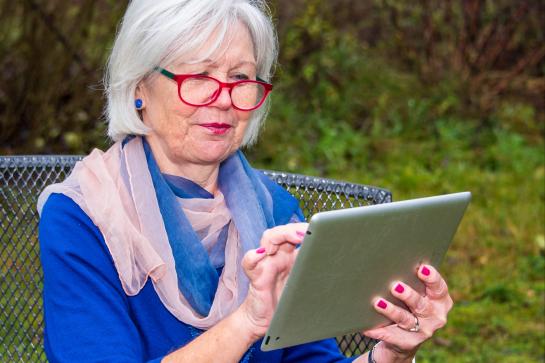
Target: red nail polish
point(300, 234)
point(399, 288)
point(260, 250)
point(382, 304)
point(425, 271)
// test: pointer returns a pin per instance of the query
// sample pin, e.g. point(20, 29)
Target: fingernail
point(399, 288)
point(382, 304)
point(260, 250)
point(300, 234)
point(425, 271)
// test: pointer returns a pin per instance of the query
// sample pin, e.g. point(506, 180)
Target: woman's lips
point(217, 128)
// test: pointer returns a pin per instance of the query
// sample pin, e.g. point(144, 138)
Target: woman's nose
point(223, 101)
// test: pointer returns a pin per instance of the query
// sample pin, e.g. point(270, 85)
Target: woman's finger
point(403, 318)
point(436, 287)
point(252, 258)
point(418, 305)
point(293, 233)
point(400, 339)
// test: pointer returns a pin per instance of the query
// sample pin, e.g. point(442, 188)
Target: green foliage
point(348, 112)
point(52, 55)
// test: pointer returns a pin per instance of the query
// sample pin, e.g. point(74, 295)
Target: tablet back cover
point(353, 255)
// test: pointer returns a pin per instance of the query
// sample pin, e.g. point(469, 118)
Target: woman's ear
point(139, 97)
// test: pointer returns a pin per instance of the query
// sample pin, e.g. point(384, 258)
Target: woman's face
point(199, 135)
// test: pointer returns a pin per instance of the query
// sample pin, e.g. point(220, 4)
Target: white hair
point(161, 33)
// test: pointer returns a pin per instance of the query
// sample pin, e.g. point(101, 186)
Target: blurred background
point(421, 97)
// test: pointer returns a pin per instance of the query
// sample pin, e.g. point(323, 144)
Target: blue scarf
point(187, 189)
point(249, 198)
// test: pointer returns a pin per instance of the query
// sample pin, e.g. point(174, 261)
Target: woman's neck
point(204, 175)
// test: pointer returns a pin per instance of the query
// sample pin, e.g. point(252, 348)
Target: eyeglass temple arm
point(165, 72)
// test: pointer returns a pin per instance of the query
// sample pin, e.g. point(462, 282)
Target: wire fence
point(22, 178)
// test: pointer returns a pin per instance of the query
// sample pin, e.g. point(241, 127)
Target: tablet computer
point(351, 256)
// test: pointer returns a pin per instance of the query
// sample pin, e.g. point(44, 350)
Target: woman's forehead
point(234, 46)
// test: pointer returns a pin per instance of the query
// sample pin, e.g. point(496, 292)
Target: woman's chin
point(214, 152)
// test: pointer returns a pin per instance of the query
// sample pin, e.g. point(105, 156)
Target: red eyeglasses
point(199, 90)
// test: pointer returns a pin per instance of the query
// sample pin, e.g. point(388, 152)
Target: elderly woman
point(169, 246)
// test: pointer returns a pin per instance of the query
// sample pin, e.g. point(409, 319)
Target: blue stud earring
point(138, 103)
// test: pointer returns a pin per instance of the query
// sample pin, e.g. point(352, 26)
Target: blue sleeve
point(325, 351)
point(86, 311)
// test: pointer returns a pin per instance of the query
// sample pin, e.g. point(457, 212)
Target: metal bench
point(22, 178)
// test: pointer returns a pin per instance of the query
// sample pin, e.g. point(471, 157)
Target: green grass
point(496, 265)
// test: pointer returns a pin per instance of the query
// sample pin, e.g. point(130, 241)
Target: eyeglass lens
point(201, 90)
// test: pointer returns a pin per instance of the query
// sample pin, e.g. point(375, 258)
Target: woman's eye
point(240, 77)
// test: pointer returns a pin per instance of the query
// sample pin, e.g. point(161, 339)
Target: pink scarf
point(115, 190)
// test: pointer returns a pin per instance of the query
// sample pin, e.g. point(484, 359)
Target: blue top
point(88, 316)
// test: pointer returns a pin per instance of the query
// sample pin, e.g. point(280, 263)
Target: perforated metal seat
point(22, 178)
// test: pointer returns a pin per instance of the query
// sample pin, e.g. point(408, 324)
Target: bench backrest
point(22, 178)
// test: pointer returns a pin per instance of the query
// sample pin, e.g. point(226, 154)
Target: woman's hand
point(268, 268)
point(426, 315)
